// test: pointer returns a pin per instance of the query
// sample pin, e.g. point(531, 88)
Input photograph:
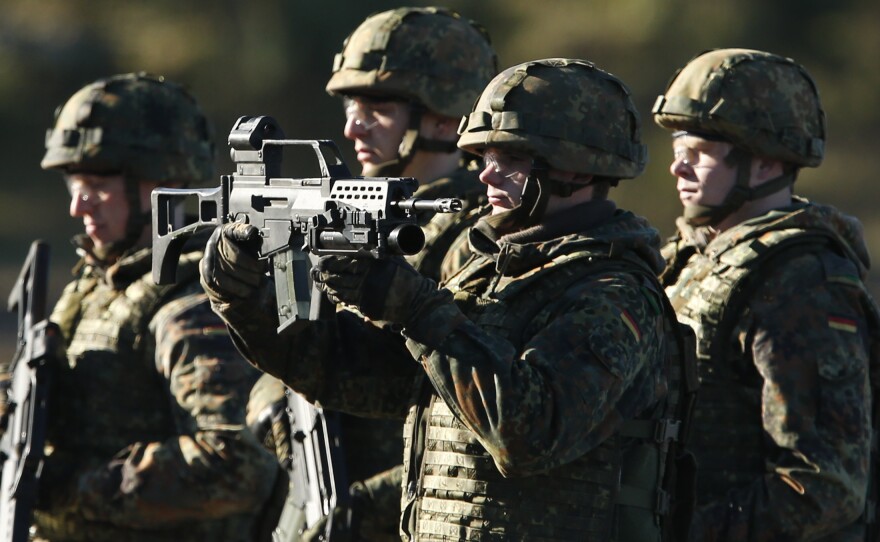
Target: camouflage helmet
point(763, 103)
point(566, 112)
point(136, 124)
point(432, 56)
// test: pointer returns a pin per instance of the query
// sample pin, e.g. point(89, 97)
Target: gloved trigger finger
point(246, 235)
point(331, 264)
point(209, 258)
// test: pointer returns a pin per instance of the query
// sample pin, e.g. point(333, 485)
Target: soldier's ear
point(765, 169)
point(447, 127)
point(439, 127)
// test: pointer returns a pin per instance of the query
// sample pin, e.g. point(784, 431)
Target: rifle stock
point(299, 219)
point(25, 420)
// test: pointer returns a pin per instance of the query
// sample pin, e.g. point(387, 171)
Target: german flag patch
point(631, 324)
point(843, 324)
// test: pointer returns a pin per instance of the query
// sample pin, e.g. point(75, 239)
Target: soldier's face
point(504, 175)
point(703, 178)
point(101, 203)
point(376, 127)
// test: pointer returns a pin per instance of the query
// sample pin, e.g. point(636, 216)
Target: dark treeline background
point(274, 56)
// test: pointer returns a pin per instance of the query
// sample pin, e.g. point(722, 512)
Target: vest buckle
point(662, 506)
point(666, 430)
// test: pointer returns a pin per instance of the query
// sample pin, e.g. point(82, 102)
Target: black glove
point(381, 289)
point(230, 270)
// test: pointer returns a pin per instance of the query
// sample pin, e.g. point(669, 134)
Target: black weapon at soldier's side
point(318, 484)
point(25, 419)
point(299, 219)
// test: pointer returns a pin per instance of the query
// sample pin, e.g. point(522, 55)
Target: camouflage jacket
point(146, 434)
point(533, 403)
point(785, 330)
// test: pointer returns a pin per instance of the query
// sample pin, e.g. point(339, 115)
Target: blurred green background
point(274, 56)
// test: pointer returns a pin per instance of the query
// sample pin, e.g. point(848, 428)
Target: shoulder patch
point(840, 270)
point(631, 324)
point(841, 323)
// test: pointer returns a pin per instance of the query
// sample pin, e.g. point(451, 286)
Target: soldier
point(406, 77)
point(772, 284)
point(147, 439)
point(536, 381)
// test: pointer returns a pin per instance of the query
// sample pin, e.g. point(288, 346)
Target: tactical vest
point(453, 490)
point(709, 293)
point(111, 394)
point(111, 374)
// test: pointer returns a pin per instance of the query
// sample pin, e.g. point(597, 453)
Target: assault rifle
point(25, 420)
point(318, 479)
point(300, 219)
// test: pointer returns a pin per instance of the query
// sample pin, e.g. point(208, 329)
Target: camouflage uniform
point(145, 438)
point(532, 395)
point(150, 413)
point(527, 434)
point(782, 430)
point(786, 329)
point(461, 63)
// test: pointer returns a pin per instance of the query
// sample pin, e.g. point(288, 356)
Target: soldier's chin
point(370, 170)
point(97, 236)
point(389, 168)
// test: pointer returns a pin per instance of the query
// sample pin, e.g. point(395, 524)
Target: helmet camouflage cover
point(139, 125)
point(567, 112)
point(760, 102)
point(431, 56)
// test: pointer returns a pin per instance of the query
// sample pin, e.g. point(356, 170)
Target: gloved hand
point(382, 289)
point(230, 270)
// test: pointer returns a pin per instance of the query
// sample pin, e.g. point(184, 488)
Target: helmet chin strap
point(410, 143)
point(134, 226)
point(532, 207)
point(739, 194)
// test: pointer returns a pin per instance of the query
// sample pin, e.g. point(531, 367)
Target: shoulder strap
point(745, 263)
point(68, 309)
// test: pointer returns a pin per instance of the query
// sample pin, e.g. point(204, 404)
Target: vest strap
point(658, 431)
point(655, 501)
